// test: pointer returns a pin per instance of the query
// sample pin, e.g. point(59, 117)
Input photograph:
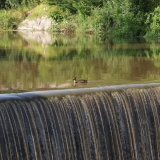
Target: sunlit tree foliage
point(119, 17)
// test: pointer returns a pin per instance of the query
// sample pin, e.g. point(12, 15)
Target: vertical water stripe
point(41, 128)
point(51, 120)
point(122, 124)
point(156, 100)
point(33, 131)
point(8, 151)
point(3, 138)
point(68, 110)
point(81, 120)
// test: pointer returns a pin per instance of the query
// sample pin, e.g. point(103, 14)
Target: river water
point(43, 61)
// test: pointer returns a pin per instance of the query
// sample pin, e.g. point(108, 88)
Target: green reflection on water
point(38, 62)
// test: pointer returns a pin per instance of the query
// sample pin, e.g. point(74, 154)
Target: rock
point(44, 23)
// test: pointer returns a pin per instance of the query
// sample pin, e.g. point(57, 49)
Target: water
point(90, 123)
point(40, 61)
point(119, 125)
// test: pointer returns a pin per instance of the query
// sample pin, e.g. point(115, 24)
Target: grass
point(43, 10)
point(65, 22)
point(9, 18)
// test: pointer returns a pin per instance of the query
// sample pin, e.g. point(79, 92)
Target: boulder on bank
point(44, 23)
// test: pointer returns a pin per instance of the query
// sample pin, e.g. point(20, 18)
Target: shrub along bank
point(112, 18)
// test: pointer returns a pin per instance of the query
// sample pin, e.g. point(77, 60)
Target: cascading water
point(119, 125)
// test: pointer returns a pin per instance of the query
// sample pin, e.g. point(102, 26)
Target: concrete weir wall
point(80, 91)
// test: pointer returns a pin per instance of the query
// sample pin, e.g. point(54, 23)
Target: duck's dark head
point(74, 78)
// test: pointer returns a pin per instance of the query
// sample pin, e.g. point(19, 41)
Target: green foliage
point(124, 22)
point(125, 18)
point(141, 9)
point(8, 4)
point(57, 16)
point(41, 10)
point(64, 4)
point(153, 23)
point(9, 18)
point(83, 7)
point(113, 19)
point(144, 6)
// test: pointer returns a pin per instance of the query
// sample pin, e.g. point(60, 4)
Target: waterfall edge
point(79, 91)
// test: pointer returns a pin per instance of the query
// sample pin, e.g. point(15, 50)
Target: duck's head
point(74, 78)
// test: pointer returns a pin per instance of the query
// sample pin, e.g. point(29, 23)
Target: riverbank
point(107, 20)
point(27, 18)
point(39, 18)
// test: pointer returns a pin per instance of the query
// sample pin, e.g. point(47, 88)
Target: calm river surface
point(41, 61)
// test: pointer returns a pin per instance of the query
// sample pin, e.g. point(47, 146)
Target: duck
point(81, 81)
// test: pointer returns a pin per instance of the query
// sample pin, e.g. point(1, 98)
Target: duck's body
point(81, 81)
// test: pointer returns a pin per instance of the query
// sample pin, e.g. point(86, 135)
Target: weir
point(109, 123)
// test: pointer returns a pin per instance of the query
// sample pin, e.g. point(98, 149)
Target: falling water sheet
point(98, 126)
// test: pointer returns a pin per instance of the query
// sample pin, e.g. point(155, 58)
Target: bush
point(153, 23)
point(10, 4)
point(114, 19)
point(124, 22)
point(57, 16)
point(9, 19)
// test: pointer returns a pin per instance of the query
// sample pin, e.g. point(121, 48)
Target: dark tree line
point(8, 4)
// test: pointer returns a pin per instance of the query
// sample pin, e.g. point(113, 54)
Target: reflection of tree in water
point(3, 53)
point(57, 43)
point(25, 68)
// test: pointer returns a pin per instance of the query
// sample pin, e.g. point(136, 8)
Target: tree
point(144, 6)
